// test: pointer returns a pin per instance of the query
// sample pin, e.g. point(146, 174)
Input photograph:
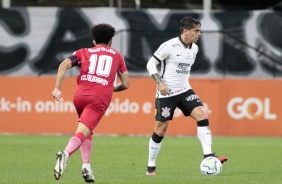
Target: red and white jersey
point(100, 66)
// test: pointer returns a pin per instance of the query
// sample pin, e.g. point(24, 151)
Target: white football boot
point(87, 174)
point(61, 157)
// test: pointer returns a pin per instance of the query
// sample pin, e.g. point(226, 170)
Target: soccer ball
point(211, 166)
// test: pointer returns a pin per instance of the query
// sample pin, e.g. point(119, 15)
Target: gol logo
point(251, 108)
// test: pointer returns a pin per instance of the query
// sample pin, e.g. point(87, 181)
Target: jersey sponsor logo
point(166, 112)
point(101, 49)
point(183, 68)
point(192, 97)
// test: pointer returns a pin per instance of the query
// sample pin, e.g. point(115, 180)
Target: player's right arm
point(152, 69)
point(63, 67)
point(71, 61)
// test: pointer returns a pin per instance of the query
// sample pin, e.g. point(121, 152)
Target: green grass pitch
point(30, 159)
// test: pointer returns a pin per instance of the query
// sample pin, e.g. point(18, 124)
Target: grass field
point(27, 159)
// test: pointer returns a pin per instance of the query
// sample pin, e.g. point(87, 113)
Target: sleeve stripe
point(157, 59)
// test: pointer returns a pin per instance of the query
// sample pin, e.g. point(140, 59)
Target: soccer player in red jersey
point(100, 67)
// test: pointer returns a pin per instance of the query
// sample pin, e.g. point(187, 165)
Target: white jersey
point(176, 60)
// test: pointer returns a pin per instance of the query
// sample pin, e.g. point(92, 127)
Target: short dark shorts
point(186, 102)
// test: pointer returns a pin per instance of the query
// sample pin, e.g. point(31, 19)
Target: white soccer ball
point(211, 166)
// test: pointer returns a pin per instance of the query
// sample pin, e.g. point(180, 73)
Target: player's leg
point(91, 116)
point(76, 141)
point(73, 144)
point(86, 149)
point(164, 112)
point(204, 132)
point(155, 143)
point(191, 105)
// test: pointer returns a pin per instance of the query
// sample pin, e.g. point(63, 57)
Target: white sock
point(205, 137)
point(86, 165)
point(67, 155)
point(154, 149)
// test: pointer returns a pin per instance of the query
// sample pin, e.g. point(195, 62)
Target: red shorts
point(90, 110)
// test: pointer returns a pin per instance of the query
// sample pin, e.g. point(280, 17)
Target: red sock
point(75, 142)
point(86, 149)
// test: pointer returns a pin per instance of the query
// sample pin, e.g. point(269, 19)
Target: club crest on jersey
point(166, 112)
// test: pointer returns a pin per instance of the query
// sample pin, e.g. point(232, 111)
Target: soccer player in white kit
point(176, 57)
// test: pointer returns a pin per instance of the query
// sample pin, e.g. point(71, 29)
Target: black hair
point(188, 23)
point(102, 33)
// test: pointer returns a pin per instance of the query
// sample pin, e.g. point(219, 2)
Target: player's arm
point(124, 82)
point(63, 67)
point(153, 72)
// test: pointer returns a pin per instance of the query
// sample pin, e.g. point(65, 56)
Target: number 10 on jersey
point(100, 65)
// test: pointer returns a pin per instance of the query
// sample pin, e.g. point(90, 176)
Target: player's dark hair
point(102, 33)
point(188, 23)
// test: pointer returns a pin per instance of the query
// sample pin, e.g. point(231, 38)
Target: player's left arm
point(63, 67)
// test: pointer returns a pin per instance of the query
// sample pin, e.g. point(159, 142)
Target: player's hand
point(163, 88)
point(56, 94)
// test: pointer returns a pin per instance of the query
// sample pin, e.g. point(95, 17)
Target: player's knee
point(160, 133)
point(161, 128)
point(203, 115)
point(199, 113)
